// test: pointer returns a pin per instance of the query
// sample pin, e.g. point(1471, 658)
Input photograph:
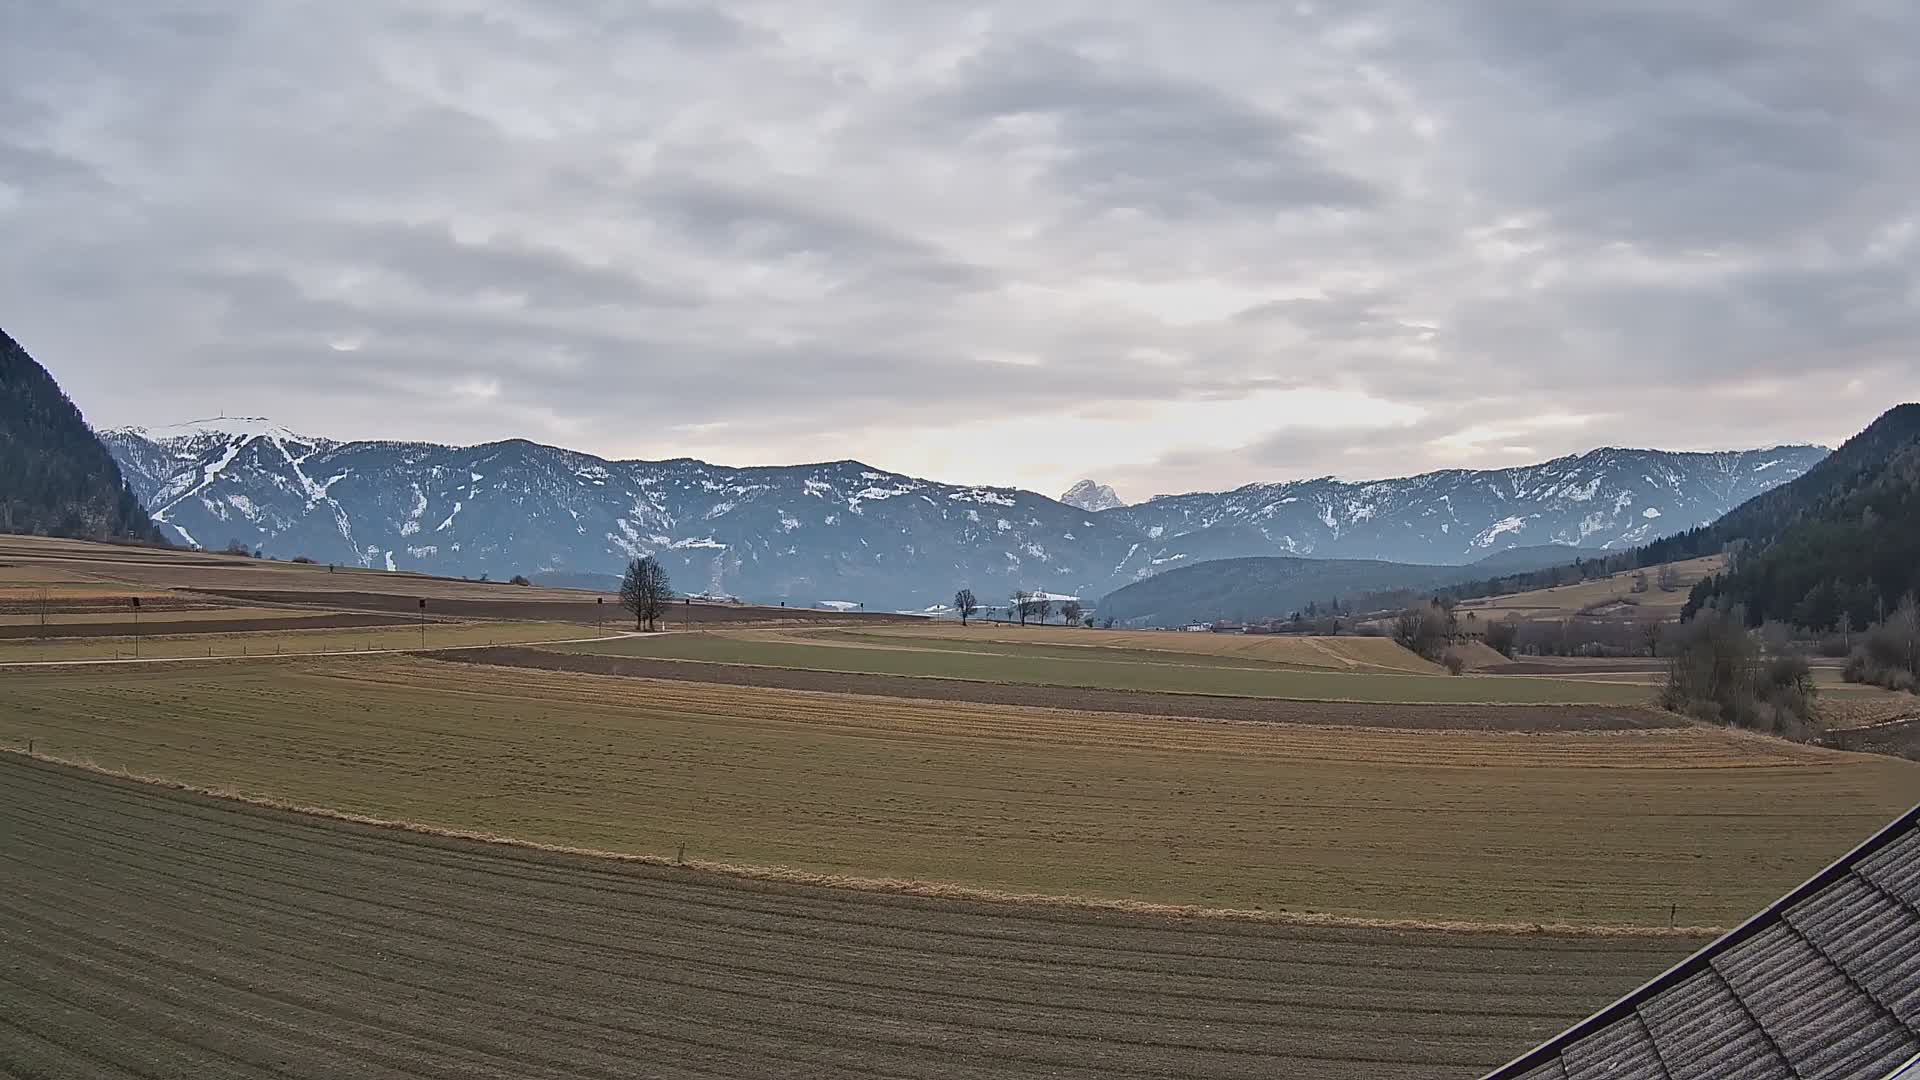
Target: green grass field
point(1042, 665)
point(1605, 827)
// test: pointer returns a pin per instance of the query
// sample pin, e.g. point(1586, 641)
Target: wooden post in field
point(135, 601)
point(423, 622)
point(680, 857)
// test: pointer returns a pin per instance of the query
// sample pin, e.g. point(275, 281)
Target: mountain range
point(846, 531)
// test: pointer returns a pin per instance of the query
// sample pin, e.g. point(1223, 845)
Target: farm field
point(1334, 653)
point(210, 938)
point(1043, 665)
point(1597, 828)
point(384, 635)
point(1564, 601)
point(1454, 717)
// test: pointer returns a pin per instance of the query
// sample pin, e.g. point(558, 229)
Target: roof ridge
point(1773, 914)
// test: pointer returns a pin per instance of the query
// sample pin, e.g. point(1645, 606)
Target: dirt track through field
point(156, 933)
point(1202, 706)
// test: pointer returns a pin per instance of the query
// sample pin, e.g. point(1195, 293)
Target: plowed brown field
point(154, 933)
point(1606, 827)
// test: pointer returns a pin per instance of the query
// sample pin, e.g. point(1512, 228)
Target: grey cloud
point(767, 225)
point(511, 218)
point(1129, 139)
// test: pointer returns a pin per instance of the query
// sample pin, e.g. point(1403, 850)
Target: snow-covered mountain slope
point(846, 531)
point(1607, 498)
point(1087, 495)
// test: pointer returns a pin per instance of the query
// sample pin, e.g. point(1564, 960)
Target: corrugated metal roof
point(1825, 983)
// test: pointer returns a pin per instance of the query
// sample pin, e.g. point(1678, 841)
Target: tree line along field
point(1614, 827)
point(1045, 664)
point(214, 939)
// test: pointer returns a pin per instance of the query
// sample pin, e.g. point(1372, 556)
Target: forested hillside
point(1272, 587)
point(1841, 541)
point(56, 478)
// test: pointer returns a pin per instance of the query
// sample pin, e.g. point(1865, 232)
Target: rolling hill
point(1239, 590)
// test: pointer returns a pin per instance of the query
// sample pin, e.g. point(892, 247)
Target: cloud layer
point(1173, 247)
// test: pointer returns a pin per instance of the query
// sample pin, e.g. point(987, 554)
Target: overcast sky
point(1171, 246)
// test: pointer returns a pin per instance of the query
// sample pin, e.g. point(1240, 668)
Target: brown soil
point(584, 611)
point(159, 933)
point(1576, 667)
point(1203, 706)
point(156, 627)
point(337, 620)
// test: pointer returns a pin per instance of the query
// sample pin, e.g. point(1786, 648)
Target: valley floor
point(210, 939)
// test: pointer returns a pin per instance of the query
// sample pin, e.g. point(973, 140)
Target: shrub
point(1888, 654)
point(1455, 663)
point(518, 579)
point(1716, 674)
point(1424, 630)
point(303, 559)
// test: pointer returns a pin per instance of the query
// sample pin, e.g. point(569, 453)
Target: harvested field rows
point(1119, 673)
point(148, 932)
point(1588, 828)
point(1199, 706)
point(578, 607)
point(336, 632)
point(176, 623)
point(1339, 653)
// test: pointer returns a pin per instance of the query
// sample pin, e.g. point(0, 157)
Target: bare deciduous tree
point(1022, 605)
point(646, 591)
point(1070, 611)
point(965, 604)
point(1042, 607)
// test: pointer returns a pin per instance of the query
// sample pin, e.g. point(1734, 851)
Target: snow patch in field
point(457, 504)
point(390, 567)
point(423, 552)
point(788, 524)
point(1650, 512)
point(1004, 524)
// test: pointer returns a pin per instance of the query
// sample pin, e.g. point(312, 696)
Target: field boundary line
point(931, 890)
